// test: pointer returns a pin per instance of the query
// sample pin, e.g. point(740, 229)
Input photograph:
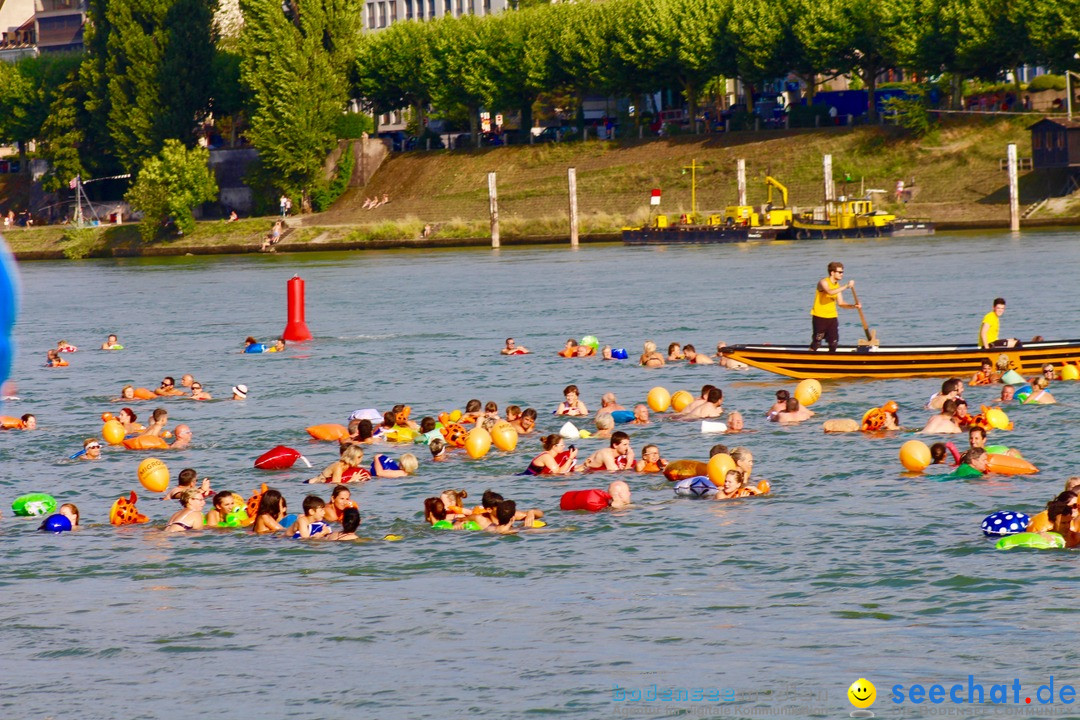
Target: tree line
point(286, 71)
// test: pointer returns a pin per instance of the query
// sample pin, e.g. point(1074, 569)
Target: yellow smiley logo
point(862, 693)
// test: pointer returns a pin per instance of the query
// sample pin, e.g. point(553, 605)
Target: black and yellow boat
point(854, 219)
point(900, 361)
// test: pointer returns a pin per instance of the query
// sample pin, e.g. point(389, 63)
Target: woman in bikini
point(190, 518)
point(555, 460)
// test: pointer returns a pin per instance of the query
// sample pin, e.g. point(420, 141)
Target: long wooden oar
point(871, 335)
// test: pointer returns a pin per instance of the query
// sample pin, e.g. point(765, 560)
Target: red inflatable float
point(590, 500)
point(279, 458)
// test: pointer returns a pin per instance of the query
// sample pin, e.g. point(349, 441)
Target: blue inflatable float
point(9, 297)
point(1005, 522)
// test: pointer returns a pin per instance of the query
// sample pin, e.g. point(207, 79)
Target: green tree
point(390, 68)
point(460, 71)
point(520, 43)
point(158, 57)
point(170, 185)
point(581, 59)
point(28, 89)
point(296, 64)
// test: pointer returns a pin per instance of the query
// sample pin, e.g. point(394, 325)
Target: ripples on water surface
point(851, 569)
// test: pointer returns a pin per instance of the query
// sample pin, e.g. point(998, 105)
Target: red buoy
point(296, 329)
point(590, 500)
point(279, 458)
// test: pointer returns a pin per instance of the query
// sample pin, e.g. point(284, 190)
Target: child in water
point(310, 525)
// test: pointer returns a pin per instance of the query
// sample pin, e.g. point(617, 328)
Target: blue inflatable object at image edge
point(9, 292)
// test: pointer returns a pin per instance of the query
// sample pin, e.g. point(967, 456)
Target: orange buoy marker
point(808, 391)
point(504, 436)
point(477, 443)
point(659, 399)
point(154, 475)
point(680, 400)
point(915, 455)
point(112, 432)
point(718, 467)
point(296, 329)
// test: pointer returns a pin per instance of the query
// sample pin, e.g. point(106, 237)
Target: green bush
point(802, 116)
point(324, 196)
point(80, 242)
point(1046, 82)
point(352, 126)
point(911, 114)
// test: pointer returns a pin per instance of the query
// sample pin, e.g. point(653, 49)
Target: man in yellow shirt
point(827, 296)
point(991, 327)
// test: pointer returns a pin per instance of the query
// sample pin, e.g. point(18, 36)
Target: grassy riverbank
point(954, 173)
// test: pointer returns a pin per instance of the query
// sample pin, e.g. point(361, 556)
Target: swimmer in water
point(735, 422)
point(224, 503)
point(570, 349)
point(650, 461)
point(526, 424)
point(794, 412)
point(698, 401)
point(310, 525)
point(71, 512)
point(168, 388)
point(649, 356)
point(183, 437)
point(272, 509)
point(779, 406)
point(641, 414)
point(693, 357)
point(186, 481)
point(943, 422)
point(158, 419)
point(65, 347)
point(91, 449)
point(197, 392)
point(605, 425)
point(126, 393)
point(340, 501)
point(572, 405)
point(350, 523)
point(555, 459)
point(512, 348)
point(111, 344)
point(609, 404)
point(239, 392)
point(620, 495)
point(437, 446)
point(127, 418)
point(725, 362)
point(53, 359)
point(383, 467)
point(348, 468)
point(711, 408)
point(617, 456)
point(675, 352)
point(190, 518)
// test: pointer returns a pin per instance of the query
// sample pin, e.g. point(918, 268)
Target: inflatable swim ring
point(1009, 465)
point(328, 432)
point(682, 469)
point(145, 442)
point(1005, 522)
point(124, 512)
point(1036, 541)
point(33, 504)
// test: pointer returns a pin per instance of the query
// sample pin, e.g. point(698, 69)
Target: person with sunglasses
point(91, 449)
point(827, 296)
point(197, 392)
point(168, 388)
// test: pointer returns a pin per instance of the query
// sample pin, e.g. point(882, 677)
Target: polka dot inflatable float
point(1005, 522)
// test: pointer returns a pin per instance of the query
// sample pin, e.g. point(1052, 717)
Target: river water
point(850, 569)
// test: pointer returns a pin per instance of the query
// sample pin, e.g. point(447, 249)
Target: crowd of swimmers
point(501, 515)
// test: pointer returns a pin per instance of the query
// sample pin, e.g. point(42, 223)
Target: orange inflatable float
point(144, 394)
point(1009, 465)
point(682, 469)
point(146, 442)
point(124, 512)
point(455, 435)
point(328, 432)
point(11, 423)
point(253, 501)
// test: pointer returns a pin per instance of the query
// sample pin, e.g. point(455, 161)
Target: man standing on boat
point(991, 326)
point(827, 296)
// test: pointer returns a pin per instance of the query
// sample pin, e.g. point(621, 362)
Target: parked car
point(554, 134)
point(397, 139)
point(420, 142)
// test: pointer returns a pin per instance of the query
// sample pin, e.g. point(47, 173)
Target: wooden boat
point(900, 361)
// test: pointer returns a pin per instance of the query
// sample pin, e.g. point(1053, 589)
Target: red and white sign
point(655, 199)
